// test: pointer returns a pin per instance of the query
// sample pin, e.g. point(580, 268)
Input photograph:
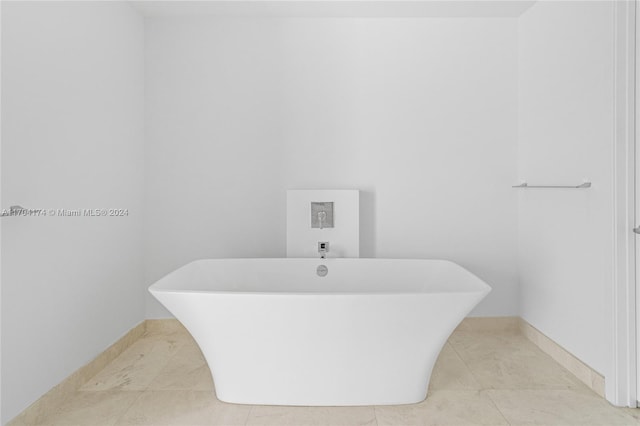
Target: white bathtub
point(274, 332)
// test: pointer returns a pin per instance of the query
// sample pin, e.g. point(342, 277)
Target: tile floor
point(481, 378)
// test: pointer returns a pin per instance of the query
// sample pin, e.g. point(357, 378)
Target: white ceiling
point(335, 8)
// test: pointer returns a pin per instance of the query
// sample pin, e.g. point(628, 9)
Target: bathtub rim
point(483, 287)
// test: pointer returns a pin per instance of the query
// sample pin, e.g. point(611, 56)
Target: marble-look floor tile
point(136, 367)
point(186, 370)
point(92, 408)
point(558, 408)
point(510, 361)
point(264, 415)
point(451, 373)
point(183, 408)
point(443, 408)
point(487, 378)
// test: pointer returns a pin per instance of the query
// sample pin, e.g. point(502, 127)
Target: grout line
point(496, 405)
point(125, 411)
point(467, 366)
point(246, 421)
point(160, 370)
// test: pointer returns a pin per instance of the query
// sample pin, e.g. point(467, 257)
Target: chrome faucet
point(323, 249)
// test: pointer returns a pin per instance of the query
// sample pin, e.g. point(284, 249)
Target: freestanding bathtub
point(275, 332)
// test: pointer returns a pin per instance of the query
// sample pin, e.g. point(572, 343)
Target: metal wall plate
point(317, 209)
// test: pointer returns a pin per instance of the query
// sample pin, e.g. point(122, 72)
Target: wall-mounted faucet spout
point(323, 249)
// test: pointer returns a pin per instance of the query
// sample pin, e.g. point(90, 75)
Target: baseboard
point(163, 326)
point(36, 412)
point(490, 324)
point(586, 374)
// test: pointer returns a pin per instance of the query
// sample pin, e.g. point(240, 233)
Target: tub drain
point(322, 270)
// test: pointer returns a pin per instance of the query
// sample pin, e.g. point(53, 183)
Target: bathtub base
point(328, 403)
point(325, 398)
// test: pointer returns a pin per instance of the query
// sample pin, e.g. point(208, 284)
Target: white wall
point(419, 114)
point(565, 131)
point(432, 119)
point(72, 137)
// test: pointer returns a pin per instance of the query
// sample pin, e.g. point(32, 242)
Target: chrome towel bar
point(526, 185)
